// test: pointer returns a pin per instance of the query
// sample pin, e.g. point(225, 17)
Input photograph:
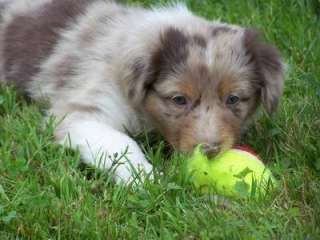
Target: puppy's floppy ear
point(140, 79)
point(168, 55)
point(268, 67)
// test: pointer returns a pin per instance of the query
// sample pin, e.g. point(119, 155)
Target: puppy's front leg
point(98, 143)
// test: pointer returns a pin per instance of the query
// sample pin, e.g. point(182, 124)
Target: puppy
point(107, 69)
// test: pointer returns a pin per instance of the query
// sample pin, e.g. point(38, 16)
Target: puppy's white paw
point(117, 153)
point(133, 167)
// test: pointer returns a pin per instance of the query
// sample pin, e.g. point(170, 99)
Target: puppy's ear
point(268, 67)
point(139, 80)
point(164, 59)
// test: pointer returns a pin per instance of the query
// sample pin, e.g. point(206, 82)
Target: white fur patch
point(104, 147)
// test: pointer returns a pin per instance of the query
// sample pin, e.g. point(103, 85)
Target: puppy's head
point(202, 86)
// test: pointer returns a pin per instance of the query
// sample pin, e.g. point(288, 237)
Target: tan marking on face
point(229, 129)
point(187, 88)
point(165, 123)
point(226, 86)
point(186, 139)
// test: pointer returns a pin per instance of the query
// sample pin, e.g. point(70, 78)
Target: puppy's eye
point(179, 100)
point(232, 99)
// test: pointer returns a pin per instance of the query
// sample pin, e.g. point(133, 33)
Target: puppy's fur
point(107, 69)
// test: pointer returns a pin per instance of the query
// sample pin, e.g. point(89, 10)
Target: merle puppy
point(107, 69)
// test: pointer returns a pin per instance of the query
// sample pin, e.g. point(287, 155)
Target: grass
point(45, 193)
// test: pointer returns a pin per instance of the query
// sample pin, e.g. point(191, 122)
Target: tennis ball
point(234, 173)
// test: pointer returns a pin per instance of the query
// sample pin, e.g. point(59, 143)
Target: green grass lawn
point(45, 193)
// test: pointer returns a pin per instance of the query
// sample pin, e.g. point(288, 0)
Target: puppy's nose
point(211, 149)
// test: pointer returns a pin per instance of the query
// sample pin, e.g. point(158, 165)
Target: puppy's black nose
point(211, 149)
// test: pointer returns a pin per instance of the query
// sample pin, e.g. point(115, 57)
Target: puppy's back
point(29, 32)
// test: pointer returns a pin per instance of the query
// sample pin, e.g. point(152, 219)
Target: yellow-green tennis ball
point(234, 173)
